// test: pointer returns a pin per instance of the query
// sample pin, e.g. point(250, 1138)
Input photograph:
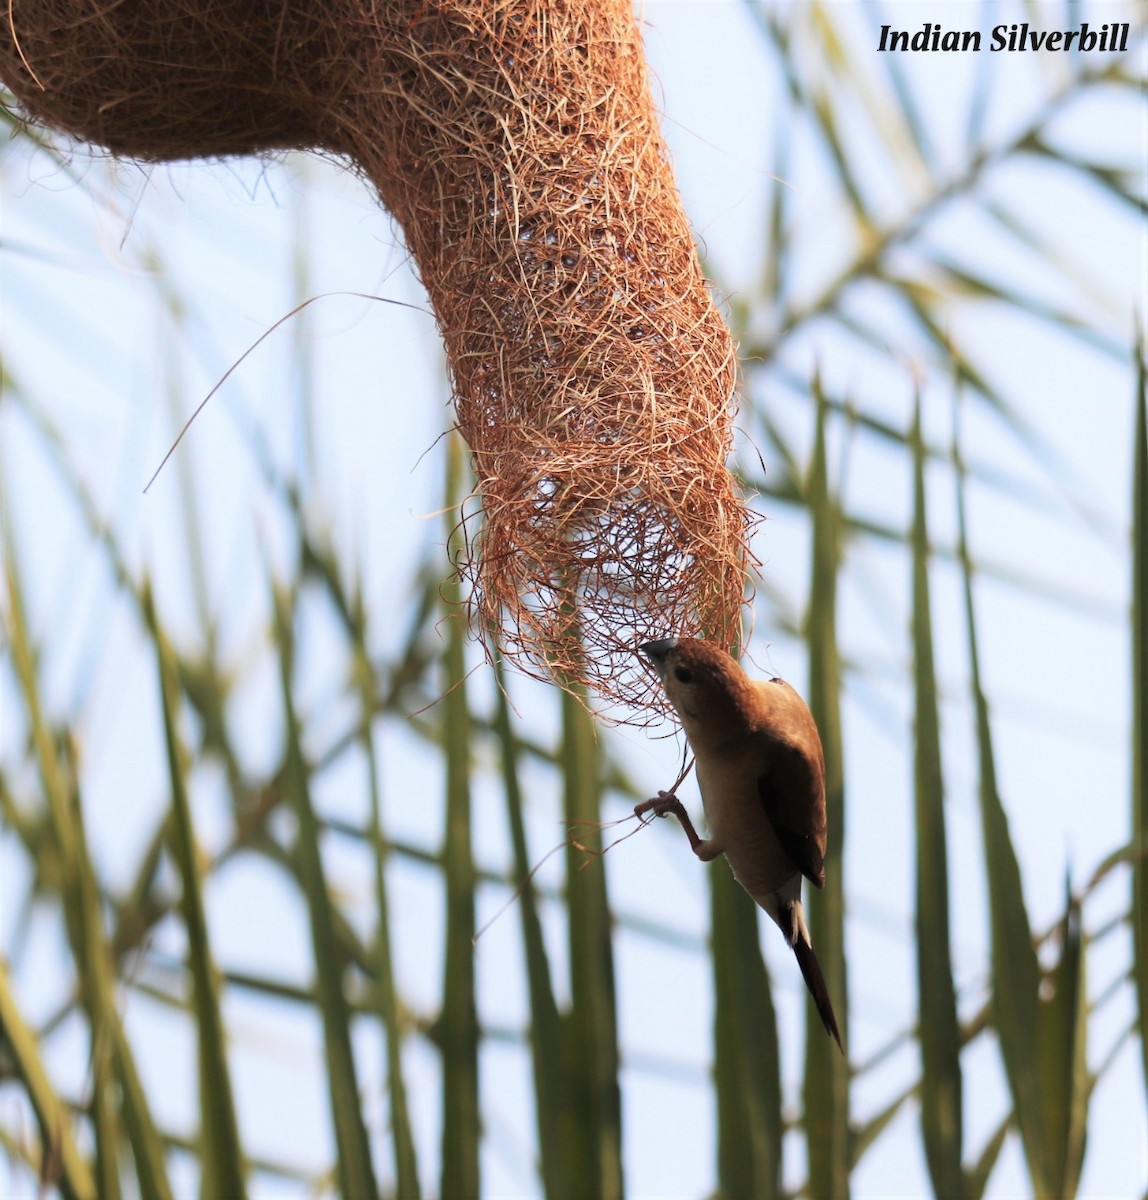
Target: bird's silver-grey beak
point(656, 652)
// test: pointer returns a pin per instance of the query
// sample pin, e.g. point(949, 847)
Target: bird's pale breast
point(740, 826)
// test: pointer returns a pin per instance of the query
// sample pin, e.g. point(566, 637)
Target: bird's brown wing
point(792, 789)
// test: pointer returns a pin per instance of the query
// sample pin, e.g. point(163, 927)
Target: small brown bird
point(761, 772)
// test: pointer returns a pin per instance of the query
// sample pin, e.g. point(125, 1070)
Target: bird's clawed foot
point(662, 805)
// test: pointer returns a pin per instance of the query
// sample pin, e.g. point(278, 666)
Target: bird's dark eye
point(682, 675)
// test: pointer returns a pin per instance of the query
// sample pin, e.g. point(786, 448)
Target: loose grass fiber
point(517, 146)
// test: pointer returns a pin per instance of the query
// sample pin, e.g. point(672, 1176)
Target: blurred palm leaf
point(941, 1084)
point(1139, 838)
point(826, 1087)
point(224, 1172)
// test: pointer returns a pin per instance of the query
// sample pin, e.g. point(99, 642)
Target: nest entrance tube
point(517, 146)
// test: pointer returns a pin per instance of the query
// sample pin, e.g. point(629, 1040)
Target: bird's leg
point(665, 803)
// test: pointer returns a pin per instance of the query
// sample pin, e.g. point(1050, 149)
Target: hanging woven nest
point(517, 146)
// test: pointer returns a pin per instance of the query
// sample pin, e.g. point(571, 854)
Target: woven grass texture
point(517, 146)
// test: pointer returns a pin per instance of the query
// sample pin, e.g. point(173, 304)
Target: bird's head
point(710, 692)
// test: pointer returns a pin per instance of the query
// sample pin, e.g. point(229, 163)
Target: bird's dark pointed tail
point(815, 981)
